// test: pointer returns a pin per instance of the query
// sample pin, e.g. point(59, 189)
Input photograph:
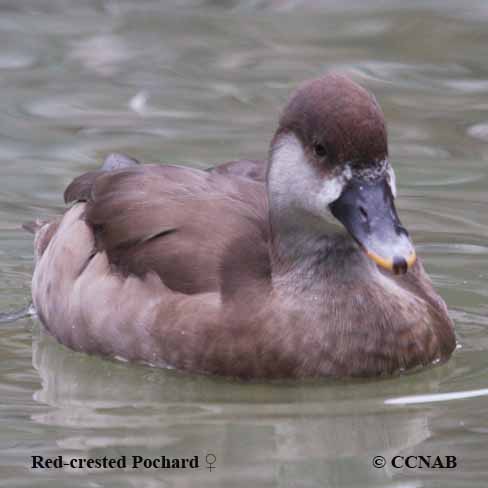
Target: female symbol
point(210, 459)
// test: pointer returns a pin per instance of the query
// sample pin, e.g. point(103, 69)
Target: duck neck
point(307, 243)
point(307, 257)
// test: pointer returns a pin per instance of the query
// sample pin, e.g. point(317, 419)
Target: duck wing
point(247, 168)
point(184, 224)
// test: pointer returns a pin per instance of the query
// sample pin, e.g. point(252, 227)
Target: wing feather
point(178, 222)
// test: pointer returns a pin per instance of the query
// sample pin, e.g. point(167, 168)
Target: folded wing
point(178, 222)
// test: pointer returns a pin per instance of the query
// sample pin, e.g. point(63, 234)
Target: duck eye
point(319, 150)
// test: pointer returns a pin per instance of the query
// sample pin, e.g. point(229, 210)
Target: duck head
point(329, 163)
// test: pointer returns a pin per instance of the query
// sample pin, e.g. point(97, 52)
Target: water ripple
point(479, 131)
point(11, 61)
point(437, 397)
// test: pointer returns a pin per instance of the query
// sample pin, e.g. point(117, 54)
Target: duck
point(296, 266)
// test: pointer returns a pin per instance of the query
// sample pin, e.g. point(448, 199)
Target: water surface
point(199, 82)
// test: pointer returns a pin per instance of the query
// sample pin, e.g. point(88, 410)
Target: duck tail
point(27, 311)
point(43, 231)
point(33, 226)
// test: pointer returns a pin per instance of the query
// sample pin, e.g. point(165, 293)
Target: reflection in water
point(283, 431)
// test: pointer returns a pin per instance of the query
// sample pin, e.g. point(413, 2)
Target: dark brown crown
point(339, 115)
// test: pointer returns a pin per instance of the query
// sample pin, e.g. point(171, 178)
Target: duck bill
point(367, 211)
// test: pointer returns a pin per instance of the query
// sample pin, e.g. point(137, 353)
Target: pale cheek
point(330, 191)
point(392, 181)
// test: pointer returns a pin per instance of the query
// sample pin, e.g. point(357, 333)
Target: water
point(197, 82)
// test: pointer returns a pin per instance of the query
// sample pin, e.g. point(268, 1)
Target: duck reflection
point(263, 434)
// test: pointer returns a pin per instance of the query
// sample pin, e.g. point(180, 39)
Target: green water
point(200, 82)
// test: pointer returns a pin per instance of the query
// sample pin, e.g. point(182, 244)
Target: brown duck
point(244, 270)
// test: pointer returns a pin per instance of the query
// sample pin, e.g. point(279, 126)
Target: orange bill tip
point(397, 264)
